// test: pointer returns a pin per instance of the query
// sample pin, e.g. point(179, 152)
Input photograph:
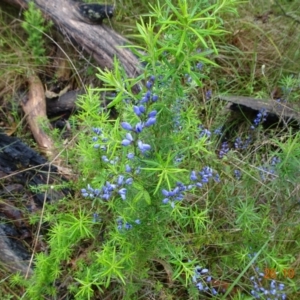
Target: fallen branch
point(100, 41)
point(35, 110)
point(281, 110)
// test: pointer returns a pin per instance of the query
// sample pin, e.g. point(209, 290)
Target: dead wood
point(286, 111)
point(35, 110)
point(100, 41)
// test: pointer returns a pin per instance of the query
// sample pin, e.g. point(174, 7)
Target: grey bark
point(100, 41)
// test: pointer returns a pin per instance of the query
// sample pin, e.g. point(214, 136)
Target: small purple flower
point(204, 132)
point(193, 176)
point(218, 131)
point(214, 291)
point(142, 109)
point(149, 85)
point(275, 160)
point(148, 95)
point(237, 174)
point(84, 193)
point(199, 66)
point(128, 140)
point(143, 147)
point(97, 130)
point(150, 122)
point(144, 100)
point(273, 284)
point(224, 149)
point(152, 114)
point(122, 193)
point(126, 126)
point(238, 144)
point(94, 138)
point(129, 180)
point(152, 78)
point(104, 158)
point(260, 118)
point(137, 111)
point(199, 286)
point(120, 180)
point(127, 226)
point(165, 193)
point(139, 127)
point(127, 169)
point(130, 155)
point(166, 200)
point(137, 221)
point(125, 142)
point(154, 98)
point(96, 218)
point(208, 94)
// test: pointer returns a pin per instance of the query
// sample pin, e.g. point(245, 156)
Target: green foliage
point(139, 219)
point(34, 25)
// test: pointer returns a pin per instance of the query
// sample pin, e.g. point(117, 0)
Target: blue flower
point(97, 130)
point(152, 114)
point(84, 193)
point(149, 85)
point(199, 66)
point(237, 174)
point(137, 110)
point(126, 126)
point(154, 98)
point(199, 286)
point(96, 218)
point(224, 149)
point(204, 132)
point(139, 127)
point(130, 155)
point(122, 193)
point(193, 176)
point(165, 193)
point(104, 158)
point(150, 121)
point(214, 291)
point(128, 140)
point(127, 226)
point(208, 94)
point(260, 118)
point(129, 180)
point(144, 100)
point(165, 201)
point(120, 180)
point(143, 147)
point(127, 169)
point(218, 131)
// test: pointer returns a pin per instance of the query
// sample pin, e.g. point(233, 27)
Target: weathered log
point(100, 41)
point(285, 111)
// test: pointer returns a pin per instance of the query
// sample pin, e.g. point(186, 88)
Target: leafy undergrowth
point(174, 199)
